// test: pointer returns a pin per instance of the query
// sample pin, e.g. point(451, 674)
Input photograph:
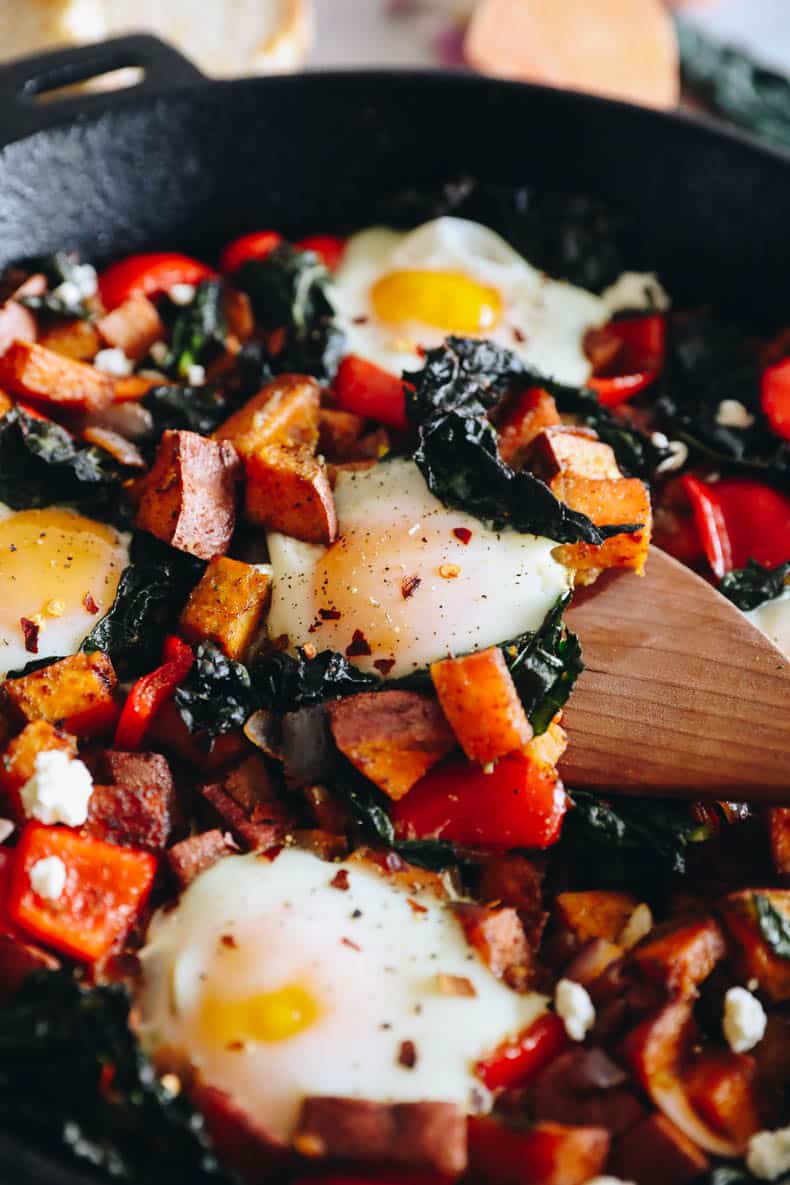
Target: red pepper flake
point(415, 905)
point(518, 335)
point(348, 942)
point(229, 941)
point(31, 632)
point(362, 319)
point(407, 1055)
point(384, 665)
point(358, 645)
point(340, 879)
point(409, 586)
point(329, 614)
point(235, 1046)
point(90, 604)
point(462, 533)
point(454, 985)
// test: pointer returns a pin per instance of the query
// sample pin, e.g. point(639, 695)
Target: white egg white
point(773, 618)
point(368, 958)
point(400, 575)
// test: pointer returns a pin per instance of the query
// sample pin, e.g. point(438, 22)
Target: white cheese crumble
point(84, 278)
point(113, 362)
point(7, 828)
point(637, 927)
point(68, 292)
point(59, 791)
point(48, 877)
point(159, 353)
point(196, 375)
point(677, 458)
point(574, 1007)
point(769, 1154)
point(731, 413)
point(182, 294)
point(744, 1020)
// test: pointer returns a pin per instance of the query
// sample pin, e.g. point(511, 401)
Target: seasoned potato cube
point(31, 371)
point(525, 415)
point(227, 605)
point(748, 916)
point(479, 699)
point(73, 339)
point(19, 761)
point(607, 501)
point(597, 913)
point(574, 451)
point(133, 327)
point(284, 412)
point(76, 694)
point(288, 490)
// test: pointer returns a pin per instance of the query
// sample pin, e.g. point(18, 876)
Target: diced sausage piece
point(73, 339)
point(227, 605)
point(525, 415)
point(259, 836)
point(479, 698)
point(607, 502)
point(288, 490)
point(18, 763)
point(597, 913)
point(575, 451)
point(189, 497)
point(133, 327)
point(514, 880)
point(194, 855)
point(583, 1086)
point(241, 1140)
point(655, 1152)
point(284, 412)
point(721, 1087)
point(498, 937)
point(30, 371)
point(420, 1135)
point(392, 737)
point(250, 785)
point(338, 433)
point(779, 831)
point(76, 694)
point(678, 956)
point(750, 949)
point(19, 959)
point(137, 771)
point(138, 809)
point(542, 1154)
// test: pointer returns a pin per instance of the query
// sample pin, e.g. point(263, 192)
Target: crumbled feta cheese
point(159, 353)
point(68, 292)
point(196, 375)
point(84, 277)
point(113, 362)
point(769, 1154)
point(573, 1005)
point(659, 439)
point(637, 927)
point(732, 414)
point(182, 294)
point(7, 828)
point(677, 458)
point(59, 791)
point(635, 290)
point(48, 877)
point(744, 1020)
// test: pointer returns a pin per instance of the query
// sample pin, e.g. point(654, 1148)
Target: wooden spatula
point(681, 695)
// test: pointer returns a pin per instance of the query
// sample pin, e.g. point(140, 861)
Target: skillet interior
point(195, 166)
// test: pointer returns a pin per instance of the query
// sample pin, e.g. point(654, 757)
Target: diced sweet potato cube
point(655, 1152)
point(498, 937)
point(606, 502)
point(525, 415)
point(575, 451)
point(73, 339)
point(133, 327)
point(283, 412)
point(288, 490)
point(479, 699)
point(76, 694)
point(750, 950)
point(597, 913)
point(779, 832)
point(392, 737)
point(194, 855)
point(721, 1088)
point(18, 763)
point(30, 371)
point(189, 498)
point(18, 959)
point(227, 605)
point(549, 747)
point(655, 1048)
point(16, 321)
point(338, 433)
point(678, 956)
point(542, 1154)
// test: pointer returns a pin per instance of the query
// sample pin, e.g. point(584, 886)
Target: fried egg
point(273, 984)
point(59, 572)
point(773, 618)
point(408, 581)
point(396, 292)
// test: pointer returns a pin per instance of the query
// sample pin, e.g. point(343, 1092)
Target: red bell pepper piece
point(150, 692)
point(6, 869)
point(369, 391)
point(542, 1154)
point(329, 249)
point(106, 887)
point(149, 275)
point(516, 1062)
point(709, 520)
point(775, 397)
point(256, 245)
point(739, 519)
point(520, 804)
point(636, 346)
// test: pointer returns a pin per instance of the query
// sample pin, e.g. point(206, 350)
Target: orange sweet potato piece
point(75, 694)
point(542, 1154)
point(655, 1152)
point(18, 763)
point(16, 321)
point(608, 501)
point(525, 415)
point(479, 698)
point(30, 371)
point(133, 327)
point(392, 737)
point(188, 498)
point(76, 339)
point(498, 937)
point(288, 490)
point(750, 952)
point(227, 605)
point(547, 748)
point(284, 412)
point(721, 1087)
point(571, 450)
point(597, 913)
point(338, 433)
point(680, 955)
point(779, 832)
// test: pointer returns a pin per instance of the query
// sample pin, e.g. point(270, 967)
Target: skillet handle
point(25, 105)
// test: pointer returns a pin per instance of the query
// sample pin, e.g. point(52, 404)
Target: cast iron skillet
point(182, 162)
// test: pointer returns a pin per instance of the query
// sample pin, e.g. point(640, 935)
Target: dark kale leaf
point(199, 330)
point(253, 368)
point(545, 666)
point(60, 268)
point(57, 1041)
point(289, 291)
point(733, 85)
point(35, 664)
point(283, 682)
point(774, 926)
point(457, 451)
point(216, 695)
point(41, 463)
point(635, 451)
point(194, 409)
point(433, 854)
point(152, 591)
point(753, 585)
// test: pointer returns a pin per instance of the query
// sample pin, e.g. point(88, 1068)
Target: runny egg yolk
point(266, 1016)
point(445, 300)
